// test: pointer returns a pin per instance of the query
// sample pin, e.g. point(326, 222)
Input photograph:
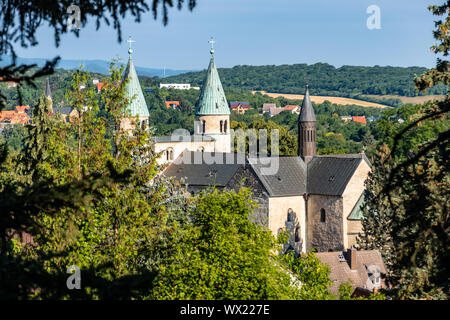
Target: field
point(405, 100)
point(321, 99)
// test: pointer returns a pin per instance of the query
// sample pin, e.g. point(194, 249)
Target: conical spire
point(48, 92)
point(212, 99)
point(307, 111)
point(48, 95)
point(138, 106)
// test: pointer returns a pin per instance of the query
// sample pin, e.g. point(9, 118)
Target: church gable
point(329, 175)
point(281, 176)
point(203, 169)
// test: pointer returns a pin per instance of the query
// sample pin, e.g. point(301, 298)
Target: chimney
point(351, 256)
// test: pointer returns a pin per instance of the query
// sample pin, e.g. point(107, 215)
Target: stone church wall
point(179, 147)
point(279, 210)
point(245, 177)
point(352, 192)
point(328, 235)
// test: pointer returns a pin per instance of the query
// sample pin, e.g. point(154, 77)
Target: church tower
point(211, 111)
point(307, 129)
point(48, 95)
point(133, 91)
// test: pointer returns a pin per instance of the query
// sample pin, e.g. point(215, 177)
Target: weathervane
point(211, 42)
point(130, 51)
point(307, 81)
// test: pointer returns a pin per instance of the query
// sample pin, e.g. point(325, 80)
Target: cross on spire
point(211, 42)
point(130, 41)
point(307, 81)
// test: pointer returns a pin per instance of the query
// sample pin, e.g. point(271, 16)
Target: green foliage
point(345, 290)
point(406, 213)
point(287, 141)
point(223, 255)
point(312, 275)
point(324, 79)
point(439, 75)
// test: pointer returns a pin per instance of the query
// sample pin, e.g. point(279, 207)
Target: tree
point(224, 255)
point(406, 213)
point(21, 21)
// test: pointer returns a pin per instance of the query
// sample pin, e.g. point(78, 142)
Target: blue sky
point(261, 32)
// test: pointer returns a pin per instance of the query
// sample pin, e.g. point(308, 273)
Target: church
point(317, 199)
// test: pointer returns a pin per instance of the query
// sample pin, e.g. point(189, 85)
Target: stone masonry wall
point(329, 235)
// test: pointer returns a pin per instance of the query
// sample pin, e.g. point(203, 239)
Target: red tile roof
point(290, 107)
point(237, 104)
point(366, 262)
point(17, 116)
point(99, 86)
point(22, 108)
point(170, 104)
point(360, 119)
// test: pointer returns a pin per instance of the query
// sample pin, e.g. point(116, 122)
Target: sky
point(260, 32)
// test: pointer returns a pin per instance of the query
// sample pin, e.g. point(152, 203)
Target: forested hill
point(324, 79)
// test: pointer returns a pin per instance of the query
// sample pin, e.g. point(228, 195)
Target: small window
point(322, 215)
point(221, 126)
point(169, 154)
point(225, 127)
point(203, 126)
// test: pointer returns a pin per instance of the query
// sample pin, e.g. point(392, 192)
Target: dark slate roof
point(65, 110)
point(329, 175)
point(182, 138)
point(200, 169)
point(323, 175)
point(289, 179)
point(307, 110)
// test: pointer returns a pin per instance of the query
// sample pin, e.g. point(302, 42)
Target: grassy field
point(413, 100)
point(321, 99)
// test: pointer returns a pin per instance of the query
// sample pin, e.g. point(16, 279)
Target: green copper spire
point(138, 106)
point(212, 99)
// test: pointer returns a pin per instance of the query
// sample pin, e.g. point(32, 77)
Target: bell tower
point(212, 113)
point(307, 129)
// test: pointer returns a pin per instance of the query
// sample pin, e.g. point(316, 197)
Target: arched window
point(297, 234)
point(225, 127)
point(169, 154)
point(322, 215)
point(221, 126)
point(203, 126)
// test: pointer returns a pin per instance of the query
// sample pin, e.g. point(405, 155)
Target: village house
point(172, 104)
point(364, 270)
point(292, 108)
point(20, 115)
point(360, 119)
point(240, 107)
point(266, 107)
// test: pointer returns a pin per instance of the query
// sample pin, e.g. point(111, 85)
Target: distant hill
point(97, 66)
point(324, 79)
